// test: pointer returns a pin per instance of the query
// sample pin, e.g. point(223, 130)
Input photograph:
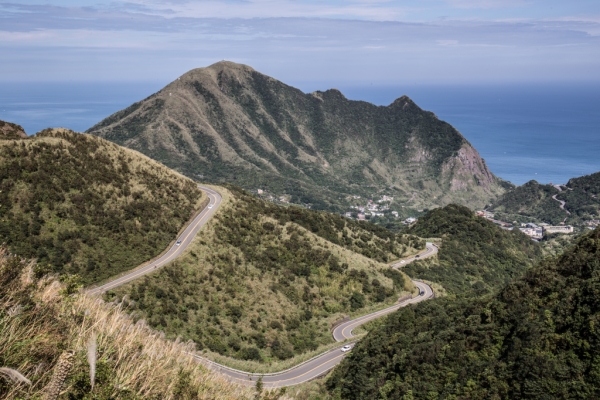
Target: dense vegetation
point(476, 256)
point(582, 197)
point(533, 201)
point(263, 282)
point(536, 339)
point(229, 123)
point(82, 205)
point(42, 321)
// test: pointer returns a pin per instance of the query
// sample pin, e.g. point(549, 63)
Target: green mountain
point(535, 339)
point(475, 256)
point(230, 123)
point(263, 283)
point(534, 201)
point(83, 205)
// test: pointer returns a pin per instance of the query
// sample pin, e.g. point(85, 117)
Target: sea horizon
point(548, 133)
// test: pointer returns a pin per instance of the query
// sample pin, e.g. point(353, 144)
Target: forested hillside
point(263, 282)
point(82, 205)
point(476, 256)
point(536, 339)
point(230, 123)
point(582, 197)
point(530, 202)
point(534, 202)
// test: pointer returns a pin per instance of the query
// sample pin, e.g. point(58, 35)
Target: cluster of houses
point(532, 230)
point(535, 231)
point(375, 209)
point(592, 223)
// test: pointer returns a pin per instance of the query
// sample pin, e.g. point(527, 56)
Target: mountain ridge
point(230, 123)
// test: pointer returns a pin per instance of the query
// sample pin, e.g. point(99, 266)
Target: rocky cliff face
point(228, 122)
point(8, 130)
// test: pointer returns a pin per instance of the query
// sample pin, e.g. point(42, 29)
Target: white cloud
point(365, 9)
point(447, 42)
point(485, 4)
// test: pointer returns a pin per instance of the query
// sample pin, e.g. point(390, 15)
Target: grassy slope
point(257, 286)
point(230, 123)
point(41, 318)
point(536, 339)
point(476, 256)
point(82, 205)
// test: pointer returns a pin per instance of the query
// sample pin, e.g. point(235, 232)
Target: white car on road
point(210, 206)
point(346, 348)
point(178, 243)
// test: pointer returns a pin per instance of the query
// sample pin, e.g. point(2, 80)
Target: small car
point(178, 243)
point(210, 206)
point(402, 262)
point(417, 256)
point(346, 348)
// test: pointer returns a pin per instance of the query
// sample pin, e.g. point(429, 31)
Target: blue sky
point(359, 42)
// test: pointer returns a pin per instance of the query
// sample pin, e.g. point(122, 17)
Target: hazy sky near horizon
point(304, 42)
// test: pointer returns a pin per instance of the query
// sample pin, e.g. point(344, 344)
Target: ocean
point(549, 133)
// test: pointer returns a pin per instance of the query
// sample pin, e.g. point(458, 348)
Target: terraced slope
point(230, 123)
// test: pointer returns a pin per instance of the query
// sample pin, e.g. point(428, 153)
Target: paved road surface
point(323, 363)
point(175, 251)
point(301, 373)
point(562, 204)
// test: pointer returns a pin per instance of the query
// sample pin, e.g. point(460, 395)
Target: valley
point(320, 228)
point(273, 279)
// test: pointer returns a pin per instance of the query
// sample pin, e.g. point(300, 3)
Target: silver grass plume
point(13, 375)
point(61, 371)
point(91, 355)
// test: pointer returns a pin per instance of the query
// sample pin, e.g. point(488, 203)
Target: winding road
point(562, 204)
point(323, 363)
point(174, 251)
point(304, 372)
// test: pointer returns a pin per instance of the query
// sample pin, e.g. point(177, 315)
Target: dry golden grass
point(41, 319)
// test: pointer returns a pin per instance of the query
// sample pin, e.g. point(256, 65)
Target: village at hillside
point(535, 231)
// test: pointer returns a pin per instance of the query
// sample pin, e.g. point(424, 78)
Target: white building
point(559, 229)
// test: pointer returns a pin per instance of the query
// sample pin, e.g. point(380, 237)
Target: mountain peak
point(225, 65)
point(228, 122)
